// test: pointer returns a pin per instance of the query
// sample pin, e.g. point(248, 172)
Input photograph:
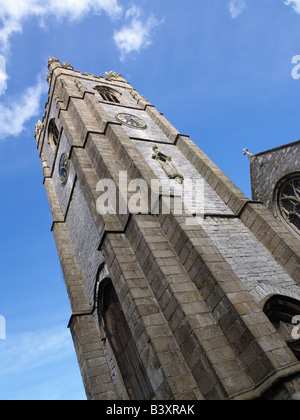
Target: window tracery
point(109, 95)
point(288, 201)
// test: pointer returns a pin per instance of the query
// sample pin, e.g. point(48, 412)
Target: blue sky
point(219, 70)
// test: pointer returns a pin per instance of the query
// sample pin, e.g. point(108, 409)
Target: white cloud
point(137, 35)
point(13, 13)
point(15, 114)
point(76, 9)
point(294, 3)
point(32, 349)
point(133, 12)
point(236, 7)
point(3, 75)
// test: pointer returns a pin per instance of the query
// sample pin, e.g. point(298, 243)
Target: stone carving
point(49, 77)
point(167, 165)
point(46, 169)
point(53, 63)
point(79, 86)
point(246, 152)
point(111, 75)
point(38, 129)
point(67, 66)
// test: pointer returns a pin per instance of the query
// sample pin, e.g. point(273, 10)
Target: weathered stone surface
point(267, 168)
point(189, 292)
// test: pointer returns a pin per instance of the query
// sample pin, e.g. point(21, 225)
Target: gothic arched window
point(288, 201)
point(53, 135)
point(284, 313)
point(119, 335)
point(109, 95)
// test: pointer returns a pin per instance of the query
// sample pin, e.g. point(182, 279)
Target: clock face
point(63, 169)
point(131, 121)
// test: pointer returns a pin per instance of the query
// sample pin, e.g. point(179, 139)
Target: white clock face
point(131, 121)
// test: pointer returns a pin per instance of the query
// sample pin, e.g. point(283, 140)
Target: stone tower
point(168, 302)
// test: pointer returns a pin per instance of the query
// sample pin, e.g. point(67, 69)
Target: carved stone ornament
point(111, 75)
point(67, 66)
point(46, 169)
point(246, 152)
point(49, 77)
point(167, 165)
point(79, 85)
point(53, 63)
point(38, 129)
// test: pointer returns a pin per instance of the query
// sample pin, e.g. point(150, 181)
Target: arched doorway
point(119, 335)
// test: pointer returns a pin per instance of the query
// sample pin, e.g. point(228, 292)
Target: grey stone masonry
point(169, 305)
point(273, 173)
point(250, 260)
point(268, 167)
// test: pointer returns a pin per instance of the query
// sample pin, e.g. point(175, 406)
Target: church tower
point(180, 286)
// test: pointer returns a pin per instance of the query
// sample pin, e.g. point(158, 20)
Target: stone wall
point(269, 167)
point(189, 291)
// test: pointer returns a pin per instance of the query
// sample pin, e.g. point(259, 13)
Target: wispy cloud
point(3, 75)
point(236, 7)
point(14, 113)
point(294, 3)
point(13, 13)
point(30, 350)
point(39, 365)
point(137, 34)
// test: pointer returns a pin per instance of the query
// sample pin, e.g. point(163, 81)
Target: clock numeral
point(131, 121)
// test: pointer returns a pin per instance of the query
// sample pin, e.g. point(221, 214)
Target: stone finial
point(67, 66)
point(111, 75)
point(53, 63)
point(246, 152)
point(38, 129)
